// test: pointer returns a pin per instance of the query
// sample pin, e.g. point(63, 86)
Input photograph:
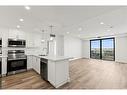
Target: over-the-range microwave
point(16, 43)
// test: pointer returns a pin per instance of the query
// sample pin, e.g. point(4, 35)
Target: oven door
point(13, 65)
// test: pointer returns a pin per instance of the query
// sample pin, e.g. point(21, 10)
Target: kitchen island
point(54, 69)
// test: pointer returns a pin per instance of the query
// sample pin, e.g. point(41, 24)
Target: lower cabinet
point(58, 72)
point(4, 65)
point(29, 62)
point(0, 68)
point(37, 65)
point(33, 62)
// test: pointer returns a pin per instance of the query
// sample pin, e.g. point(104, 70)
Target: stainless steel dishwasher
point(44, 69)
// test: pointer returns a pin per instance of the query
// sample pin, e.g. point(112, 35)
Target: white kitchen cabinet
point(4, 65)
point(33, 62)
point(37, 39)
point(29, 39)
point(36, 64)
point(14, 33)
point(58, 72)
point(29, 42)
point(29, 62)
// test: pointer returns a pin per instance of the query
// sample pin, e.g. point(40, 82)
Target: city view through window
point(102, 49)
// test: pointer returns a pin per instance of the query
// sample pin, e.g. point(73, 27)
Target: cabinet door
point(29, 62)
point(30, 42)
point(38, 65)
point(51, 72)
point(62, 72)
point(4, 65)
point(34, 62)
point(14, 33)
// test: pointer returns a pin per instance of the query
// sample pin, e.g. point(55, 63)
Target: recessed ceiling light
point(68, 32)
point(18, 26)
point(80, 29)
point(108, 30)
point(101, 22)
point(21, 19)
point(43, 40)
point(27, 7)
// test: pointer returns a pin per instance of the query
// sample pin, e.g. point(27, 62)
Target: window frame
point(100, 40)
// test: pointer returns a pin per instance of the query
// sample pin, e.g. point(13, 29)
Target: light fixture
point(18, 26)
point(101, 22)
point(80, 29)
point(52, 36)
point(42, 40)
point(43, 37)
point(68, 32)
point(27, 7)
point(78, 35)
point(21, 19)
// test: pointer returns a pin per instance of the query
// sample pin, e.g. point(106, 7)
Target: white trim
point(75, 58)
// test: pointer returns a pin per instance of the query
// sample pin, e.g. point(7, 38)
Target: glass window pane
point(95, 49)
point(108, 49)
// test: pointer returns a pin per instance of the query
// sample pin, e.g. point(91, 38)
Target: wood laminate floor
point(84, 74)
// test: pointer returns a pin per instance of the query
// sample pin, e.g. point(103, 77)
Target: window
point(95, 49)
point(103, 49)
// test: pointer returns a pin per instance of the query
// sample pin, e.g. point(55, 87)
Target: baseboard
point(120, 62)
point(75, 58)
point(17, 72)
point(85, 58)
point(107, 60)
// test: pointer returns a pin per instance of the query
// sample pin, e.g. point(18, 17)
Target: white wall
point(121, 49)
point(86, 49)
point(72, 47)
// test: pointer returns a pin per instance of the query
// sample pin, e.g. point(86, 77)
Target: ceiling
point(67, 19)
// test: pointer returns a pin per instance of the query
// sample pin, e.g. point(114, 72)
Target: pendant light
point(52, 36)
point(43, 37)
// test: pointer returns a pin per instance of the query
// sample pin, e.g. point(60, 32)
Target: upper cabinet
point(29, 39)
point(33, 39)
point(37, 39)
point(14, 33)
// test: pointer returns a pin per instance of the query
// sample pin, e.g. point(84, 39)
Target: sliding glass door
point(108, 49)
point(95, 49)
point(102, 49)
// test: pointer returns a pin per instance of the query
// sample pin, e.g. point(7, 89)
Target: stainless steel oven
point(17, 60)
point(16, 43)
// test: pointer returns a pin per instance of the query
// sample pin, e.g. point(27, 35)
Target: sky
point(107, 43)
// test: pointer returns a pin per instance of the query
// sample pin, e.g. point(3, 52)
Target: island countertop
point(53, 58)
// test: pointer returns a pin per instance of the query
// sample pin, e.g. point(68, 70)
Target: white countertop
point(54, 58)
point(1, 56)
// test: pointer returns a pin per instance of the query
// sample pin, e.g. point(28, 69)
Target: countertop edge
point(66, 58)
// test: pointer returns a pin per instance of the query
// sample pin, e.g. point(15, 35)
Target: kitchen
point(26, 47)
point(43, 47)
point(18, 54)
